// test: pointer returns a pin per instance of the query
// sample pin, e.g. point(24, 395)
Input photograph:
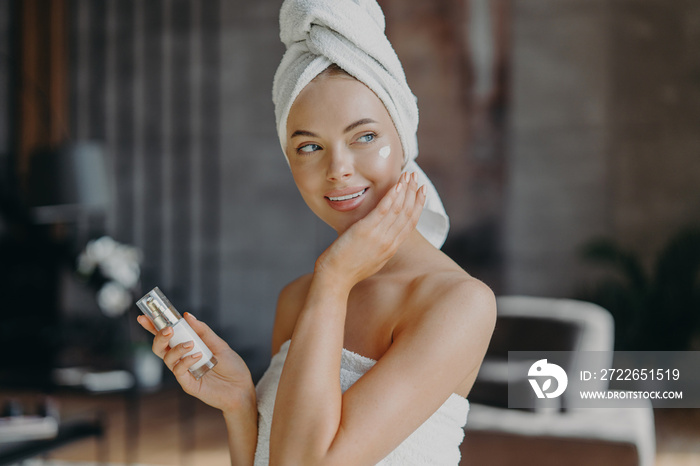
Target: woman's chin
point(341, 221)
point(340, 225)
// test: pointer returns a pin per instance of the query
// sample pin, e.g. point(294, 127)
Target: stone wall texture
point(604, 134)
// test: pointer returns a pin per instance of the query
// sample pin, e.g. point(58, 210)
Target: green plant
point(657, 310)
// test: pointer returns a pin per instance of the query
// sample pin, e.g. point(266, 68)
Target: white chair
point(497, 435)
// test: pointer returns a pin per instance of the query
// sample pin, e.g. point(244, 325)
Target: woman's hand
point(365, 247)
point(228, 386)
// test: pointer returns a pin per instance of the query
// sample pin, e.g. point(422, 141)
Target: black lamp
point(68, 182)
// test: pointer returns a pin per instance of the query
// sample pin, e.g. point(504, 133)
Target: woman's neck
point(408, 255)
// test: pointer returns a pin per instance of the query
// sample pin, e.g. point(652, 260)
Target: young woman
point(377, 349)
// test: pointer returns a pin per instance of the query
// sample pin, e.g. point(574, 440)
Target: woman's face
point(343, 149)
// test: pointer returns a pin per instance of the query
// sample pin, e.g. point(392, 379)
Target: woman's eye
point(308, 148)
point(367, 137)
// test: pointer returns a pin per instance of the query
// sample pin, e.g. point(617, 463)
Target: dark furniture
point(68, 432)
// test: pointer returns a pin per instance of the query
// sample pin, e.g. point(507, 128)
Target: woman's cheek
point(385, 152)
point(379, 160)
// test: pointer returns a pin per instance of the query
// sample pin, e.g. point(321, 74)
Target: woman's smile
point(346, 199)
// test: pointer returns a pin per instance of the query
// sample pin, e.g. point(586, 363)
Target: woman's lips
point(346, 199)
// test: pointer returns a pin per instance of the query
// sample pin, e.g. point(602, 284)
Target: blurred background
point(562, 135)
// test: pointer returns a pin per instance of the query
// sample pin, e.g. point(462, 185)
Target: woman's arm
point(228, 386)
point(308, 403)
point(428, 360)
point(242, 427)
point(309, 397)
point(314, 423)
point(435, 352)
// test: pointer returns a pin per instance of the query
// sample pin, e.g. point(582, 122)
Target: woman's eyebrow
point(363, 121)
point(301, 132)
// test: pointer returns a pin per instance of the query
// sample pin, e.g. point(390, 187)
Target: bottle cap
point(158, 309)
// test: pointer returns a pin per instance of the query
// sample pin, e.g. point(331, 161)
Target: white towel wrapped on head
point(350, 33)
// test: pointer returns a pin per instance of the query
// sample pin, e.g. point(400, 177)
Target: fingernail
point(197, 355)
point(414, 175)
point(188, 345)
point(406, 177)
point(398, 187)
point(168, 331)
point(424, 190)
point(191, 315)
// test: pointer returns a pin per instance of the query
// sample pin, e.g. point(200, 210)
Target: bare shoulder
point(448, 318)
point(289, 305)
point(447, 300)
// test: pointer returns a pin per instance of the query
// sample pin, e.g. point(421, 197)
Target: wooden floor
point(160, 437)
point(677, 437)
point(164, 437)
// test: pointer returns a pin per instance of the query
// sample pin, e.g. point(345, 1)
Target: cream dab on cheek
point(385, 151)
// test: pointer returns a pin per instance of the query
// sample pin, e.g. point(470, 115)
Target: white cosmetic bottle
point(163, 314)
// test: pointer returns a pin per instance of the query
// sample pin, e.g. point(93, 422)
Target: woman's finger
point(397, 205)
point(410, 198)
point(407, 208)
point(161, 342)
point(385, 203)
point(173, 355)
point(414, 215)
point(183, 365)
point(388, 204)
point(208, 336)
point(146, 324)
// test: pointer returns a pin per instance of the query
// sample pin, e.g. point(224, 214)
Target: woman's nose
point(340, 165)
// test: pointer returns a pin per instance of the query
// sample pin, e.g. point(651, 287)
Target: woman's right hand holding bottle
point(228, 386)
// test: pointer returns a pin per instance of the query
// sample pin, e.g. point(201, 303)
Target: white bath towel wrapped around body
point(435, 442)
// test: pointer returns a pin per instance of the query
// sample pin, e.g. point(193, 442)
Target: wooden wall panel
point(42, 82)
